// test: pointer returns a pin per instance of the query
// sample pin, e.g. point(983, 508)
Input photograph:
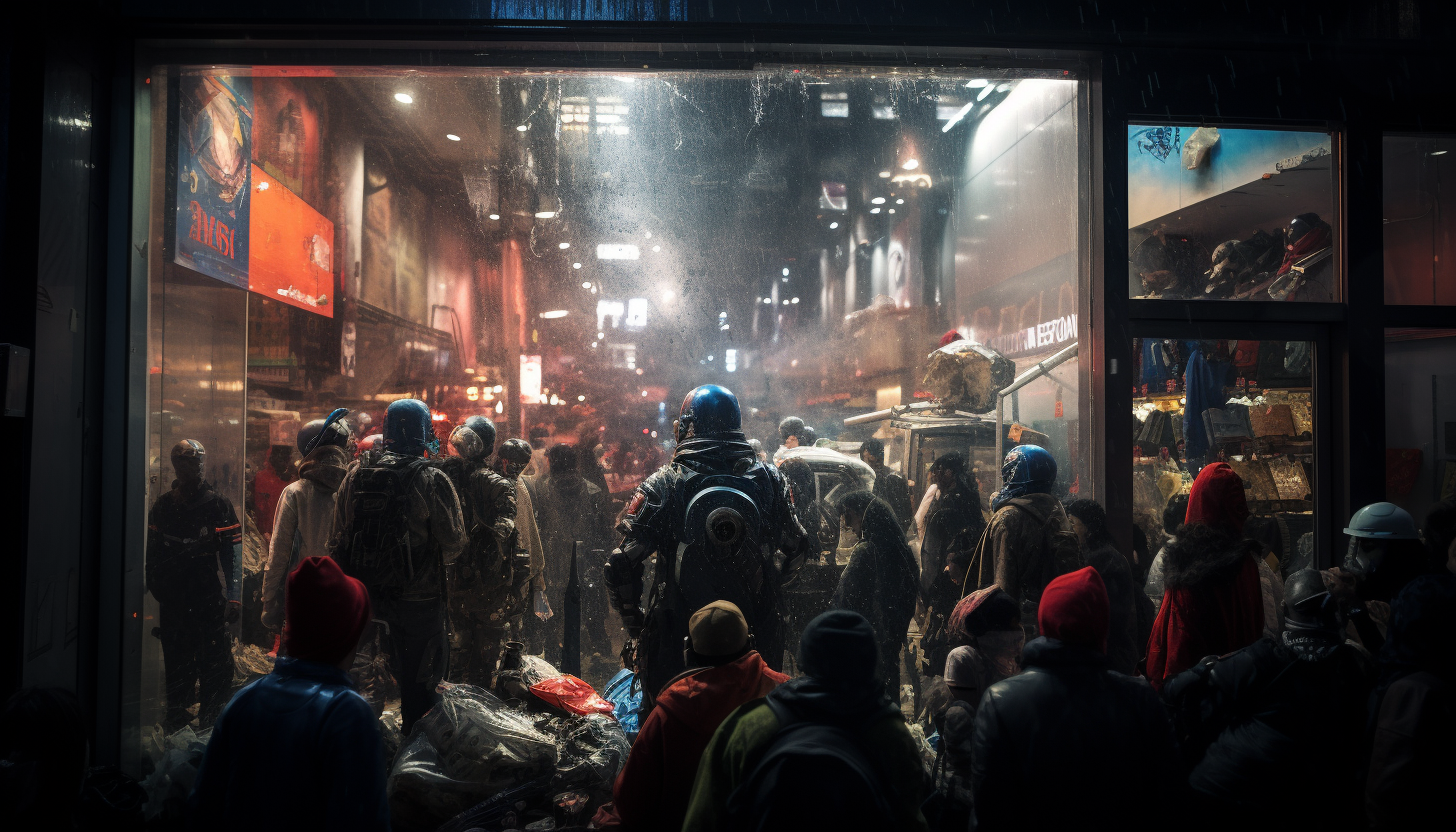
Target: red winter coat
point(1212, 604)
point(653, 789)
point(267, 491)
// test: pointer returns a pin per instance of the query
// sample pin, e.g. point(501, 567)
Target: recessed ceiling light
point(892, 210)
point(545, 215)
point(884, 174)
point(495, 216)
point(563, 245)
point(404, 98)
point(874, 210)
point(786, 271)
point(833, 225)
point(522, 128)
point(911, 164)
point(899, 202)
point(879, 200)
point(577, 266)
point(657, 248)
point(452, 137)
point(586, 284)
point(554, 313)
point(976, 82)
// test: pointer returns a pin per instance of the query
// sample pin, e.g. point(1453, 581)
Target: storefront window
point(1419, 176)
point(1420, 418)
point(1246, 403)
point(570, 252)
point(1218, 213)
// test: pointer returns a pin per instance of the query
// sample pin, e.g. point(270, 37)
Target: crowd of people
point(1062, 682)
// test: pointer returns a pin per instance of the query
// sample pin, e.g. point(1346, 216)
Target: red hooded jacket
point(653, 789)
point(1212, 604)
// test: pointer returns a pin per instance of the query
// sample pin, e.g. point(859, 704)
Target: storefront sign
point(1039, 338)
point(214, 166)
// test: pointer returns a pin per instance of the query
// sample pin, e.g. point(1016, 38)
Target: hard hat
point(1383, 521)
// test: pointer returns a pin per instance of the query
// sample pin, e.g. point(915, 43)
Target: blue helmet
point(708, 410)
point(321, 432)
point(1029, 465)
point(408, 428)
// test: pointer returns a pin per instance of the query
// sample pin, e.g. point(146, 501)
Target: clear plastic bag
point(594, 749)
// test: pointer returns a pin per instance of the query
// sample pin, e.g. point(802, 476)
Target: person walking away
point(299, 749)
point(1212, 602)
point(889, 486)
point(510, 461)
point(268, 486)
point(305, 515)
point(570, 509)
point(1385, 554)
point(826, 750)
point(1089, 521)
point(881, 580)
point(1030, 540)
point(1412, 758)
point(1070, 743)
point(724, 672)
point(481, 584)
point(1276, 719)
point(194, 568)
point(397, 526)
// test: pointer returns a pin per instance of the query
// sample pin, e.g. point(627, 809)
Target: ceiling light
point(563, 245)
point(874, 210)
point(793, 300)
point(1439, 152)
point(899, 202)
point(644, 394)
point(404, 98)
point(470, 370)
point(495, 216)
point(768, 300)
point(985, 91)
point(586, 285)
point(554, 313)
point(879, 200)
point(786, 271)
point(833, 225)
point(594, 345)
point(452, 137)
point(977, 82)
point(602, 335)
point(577, 266)
point(884, 174)
point(497, 389)
point(545, 215)
point(657, 248)
point(522, 128)
point(892, 210)
point(786, 303)
point(581, 398)
point(956, 119)
point(649, 235)
point(983, 216)
point(911, 164)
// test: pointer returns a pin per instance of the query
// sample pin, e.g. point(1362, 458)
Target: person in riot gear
point(397, 527)
point(194, 568)
point(481, 583)
point(713, 516)
point(513, 458)
point(1385, 553)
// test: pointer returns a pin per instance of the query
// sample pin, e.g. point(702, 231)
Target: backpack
point(1061, 550)
point(379, 553)
point(813, 775)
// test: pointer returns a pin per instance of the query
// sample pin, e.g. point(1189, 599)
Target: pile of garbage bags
point(477, 761)
point(175, 760)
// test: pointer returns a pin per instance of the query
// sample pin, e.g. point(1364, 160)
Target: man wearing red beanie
point(1070, 743)
point(300, 748)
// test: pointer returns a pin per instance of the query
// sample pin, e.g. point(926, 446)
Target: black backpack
point(378, 552)
point(813, 775)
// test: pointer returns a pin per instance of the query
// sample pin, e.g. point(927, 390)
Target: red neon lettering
point(209, 231)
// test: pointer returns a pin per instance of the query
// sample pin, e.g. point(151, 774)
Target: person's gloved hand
point(232, 612)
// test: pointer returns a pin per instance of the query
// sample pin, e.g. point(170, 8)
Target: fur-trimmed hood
point(1202, 553)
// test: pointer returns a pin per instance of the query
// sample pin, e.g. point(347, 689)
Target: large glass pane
point(1418, 175)
point(1420, 418)
point(570, 252)
point(1218, 213)
point(1244, 403)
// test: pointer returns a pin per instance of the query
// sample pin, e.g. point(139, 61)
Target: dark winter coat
point(1071, 744)
point(1281, 713)
point(1212, 603)
point(1123, 650)
point(880, 584)
point(568, 508)
point(952, 530)
point(297, 749)
point(895, 491)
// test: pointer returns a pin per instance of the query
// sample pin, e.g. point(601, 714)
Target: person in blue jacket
point(300, 748)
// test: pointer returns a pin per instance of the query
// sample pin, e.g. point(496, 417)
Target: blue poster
point(214, 163)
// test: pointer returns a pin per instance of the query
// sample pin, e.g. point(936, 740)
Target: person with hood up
point(1212, 601)
point(1070, 743)
point(1019, 553)
point(300, 748)
point(569, 508)
point(305, 515)
point(1412, 759)
point(1089, 521)
point(724, 672)
point(1274, 719)
point(880, 581)
point(839, 687)
point(889, 485)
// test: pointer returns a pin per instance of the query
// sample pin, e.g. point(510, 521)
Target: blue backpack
point(814, 775)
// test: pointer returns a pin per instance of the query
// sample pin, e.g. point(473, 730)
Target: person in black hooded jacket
point(1268, 711)
point(1089, 521)
point(880, 581)
point(1070, 743)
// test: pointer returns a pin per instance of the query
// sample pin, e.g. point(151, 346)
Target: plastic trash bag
point(175, 759)
point(624, 691)
point(594, 750)
point(571, 695)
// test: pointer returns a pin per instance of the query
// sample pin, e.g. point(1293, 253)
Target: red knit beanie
point(1217, 499)
point(1074, 609)
point(950, 337)
point(325, 613)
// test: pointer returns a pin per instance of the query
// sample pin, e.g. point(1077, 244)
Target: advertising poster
point(214, 166)
point(291, 257)
point(530, 379)
point(286, 135)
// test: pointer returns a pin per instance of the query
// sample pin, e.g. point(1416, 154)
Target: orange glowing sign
point(290, 256)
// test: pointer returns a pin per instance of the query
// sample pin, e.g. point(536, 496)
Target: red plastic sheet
point(571, 694)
